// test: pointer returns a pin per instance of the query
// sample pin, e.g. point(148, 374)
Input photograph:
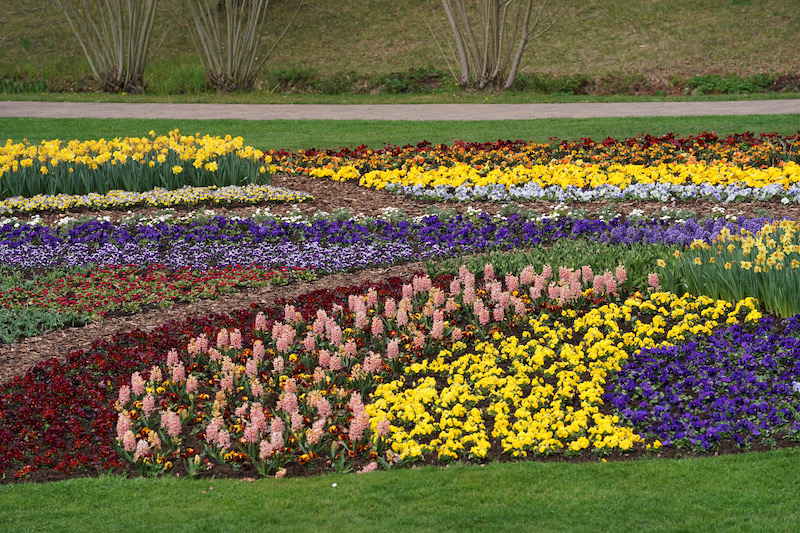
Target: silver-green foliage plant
point(115, 37)
point(229, 36)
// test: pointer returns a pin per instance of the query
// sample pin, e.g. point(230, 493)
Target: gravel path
point(395, 112)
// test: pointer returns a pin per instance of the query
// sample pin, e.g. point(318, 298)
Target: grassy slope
point(660, 39)
point(748, 492)
point(329, 133)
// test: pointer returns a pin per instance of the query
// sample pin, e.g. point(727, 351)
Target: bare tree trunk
point(115, 37)
point(490, 39)
point(229, 35)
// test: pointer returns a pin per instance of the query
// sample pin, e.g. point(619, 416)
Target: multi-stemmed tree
point(115, 37)
point(491, 36)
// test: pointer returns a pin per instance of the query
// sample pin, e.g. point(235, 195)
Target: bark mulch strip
point(17, 358)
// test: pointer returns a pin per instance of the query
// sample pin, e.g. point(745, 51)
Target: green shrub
point(25, 322)
point(733, 84)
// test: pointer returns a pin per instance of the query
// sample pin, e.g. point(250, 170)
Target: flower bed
point(326, 245)
point(183, 197)
point(705, 167)
point(130, 289)
point(131, 164)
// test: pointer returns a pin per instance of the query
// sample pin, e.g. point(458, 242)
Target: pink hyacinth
point(587, 274)
point(383, 427)
point(288, 402)
point(265, 450)
point(377, 326)
point(450, 305)
point(257, 417)
point(256, 388)
point(242, 409)
point(372, 363)
point(437, 330)
point(123, 425)
point(483, 316)
point(212, 429)
point(553, 292)
point(297, 421)
point(261, 322)
point(142, 450)
point(372, 297)
point(324, 358)
point(309, 343)
point(350, 348)
point(535, 292)
point(277, 329)
point(620, 274)
point(408, 291)
point(455, 287)
point(512, 282)
point(318, 376)
point(236, 339)
point(653, 281)
point(519, 307)
point(129, 441)
point(226, 383)
point(178, 373)
point(258, 350)
point(393, 349)
point(611, 285)
point(419, 340)
point(335, 363)
point(282, 344)
point(456, 334)
point(469, 295)
point(148, 404)
point(498, 314)
point(337, 309)
point(214, 354)
point(277, 426)
point(323, 407)
point(250, 434)
point(124, 395)
point(172, 357)
point(547, 272)
point(526, 276)
point(317, 431)
point(223, 339)
point(389, 308)
point(223, 439)
point(361, 321)
point(155, 375)
point(488, 272)
point(402, 317)
point(171, 422)
point(322, 315)
point(358, 424)
point(336, 334)
point(191, 384)
point(290, 385)
point(289, 313)
point(251, 367)
point(369, 467)
point(438, 297)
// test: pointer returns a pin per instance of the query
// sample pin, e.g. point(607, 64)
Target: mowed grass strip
point(296, 134)
point(746, 492)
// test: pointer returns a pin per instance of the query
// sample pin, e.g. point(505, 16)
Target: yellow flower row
point(151, 150)
point(540, 393)
point(187, 196)
point(565, 175)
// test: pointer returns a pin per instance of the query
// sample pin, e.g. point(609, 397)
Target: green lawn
point(330, 133)
point(748, 492)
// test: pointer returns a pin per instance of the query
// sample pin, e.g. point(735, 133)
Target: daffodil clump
point(183, 197)
point(132, 164)
point(764, 264)
point(538, 391)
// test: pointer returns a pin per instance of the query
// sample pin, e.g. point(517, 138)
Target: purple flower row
point(324, 243)
point(737, 386)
